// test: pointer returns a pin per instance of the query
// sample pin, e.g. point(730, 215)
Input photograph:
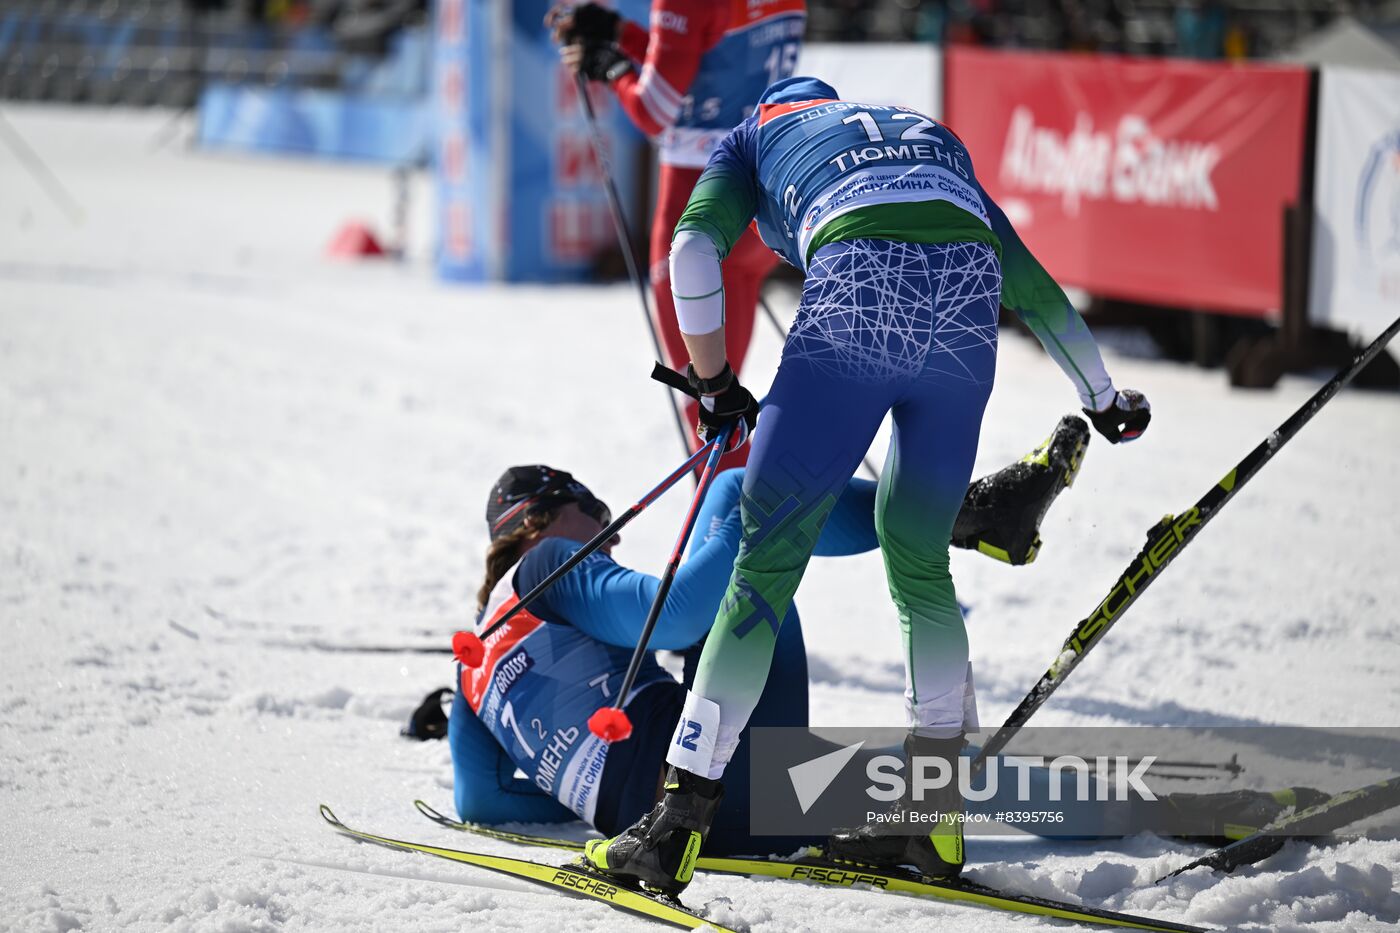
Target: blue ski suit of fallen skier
point(525, 710)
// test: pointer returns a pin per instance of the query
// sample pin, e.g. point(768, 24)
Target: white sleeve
point(696, 283)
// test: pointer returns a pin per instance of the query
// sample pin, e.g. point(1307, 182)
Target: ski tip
point(329, 816)
point(1180, 871)
point(429, 812)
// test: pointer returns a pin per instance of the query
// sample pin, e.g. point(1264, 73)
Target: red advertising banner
point(1148, 179)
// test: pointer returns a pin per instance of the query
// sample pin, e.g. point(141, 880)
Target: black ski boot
point(1219, 819)
point(660, 849)
point(1002, 512)
point(936, 852)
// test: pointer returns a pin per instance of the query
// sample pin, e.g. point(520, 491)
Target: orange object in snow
point(354, 240)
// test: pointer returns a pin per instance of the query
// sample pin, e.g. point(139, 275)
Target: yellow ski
point(816, 870)
point(490, 832)
point(562, 878)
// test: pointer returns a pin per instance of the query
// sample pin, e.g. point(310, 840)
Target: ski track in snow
point(211, 437)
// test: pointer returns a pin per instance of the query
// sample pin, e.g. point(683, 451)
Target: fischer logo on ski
point(838, 876)
point(1152, 558)
point(595, 886)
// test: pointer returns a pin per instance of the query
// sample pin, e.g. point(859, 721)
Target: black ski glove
point(603, 62)
point(724, 402)
point(1124, 419)
point(587, 22)
point(428, 720)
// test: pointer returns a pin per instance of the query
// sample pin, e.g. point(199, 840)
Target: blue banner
point(521, 196)
point(314, 122)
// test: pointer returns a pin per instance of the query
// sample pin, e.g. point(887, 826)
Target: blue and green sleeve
point(1040, 303)
point(725, 198)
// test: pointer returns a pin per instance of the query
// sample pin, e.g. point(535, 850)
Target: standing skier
point(907, 261)
point(686, 84)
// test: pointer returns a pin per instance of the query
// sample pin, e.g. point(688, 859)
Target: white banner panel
point(1356, 240)
point(907, 73)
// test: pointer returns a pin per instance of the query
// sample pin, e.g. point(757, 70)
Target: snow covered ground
point(213, 440)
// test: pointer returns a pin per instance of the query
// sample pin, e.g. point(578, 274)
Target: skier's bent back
point(907, 262)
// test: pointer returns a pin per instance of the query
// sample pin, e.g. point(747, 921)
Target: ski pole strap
point(669, 377)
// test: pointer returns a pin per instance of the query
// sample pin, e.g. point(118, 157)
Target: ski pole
point(468, 647)
point(1232, 766)
point(1165, 541)
point(624, 235)
point(356, 649)
point(610, 723)
point(41, 173)
point(1327, 817)
point(782, 335)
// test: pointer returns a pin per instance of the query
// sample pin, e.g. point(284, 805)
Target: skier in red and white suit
point(686, 83)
